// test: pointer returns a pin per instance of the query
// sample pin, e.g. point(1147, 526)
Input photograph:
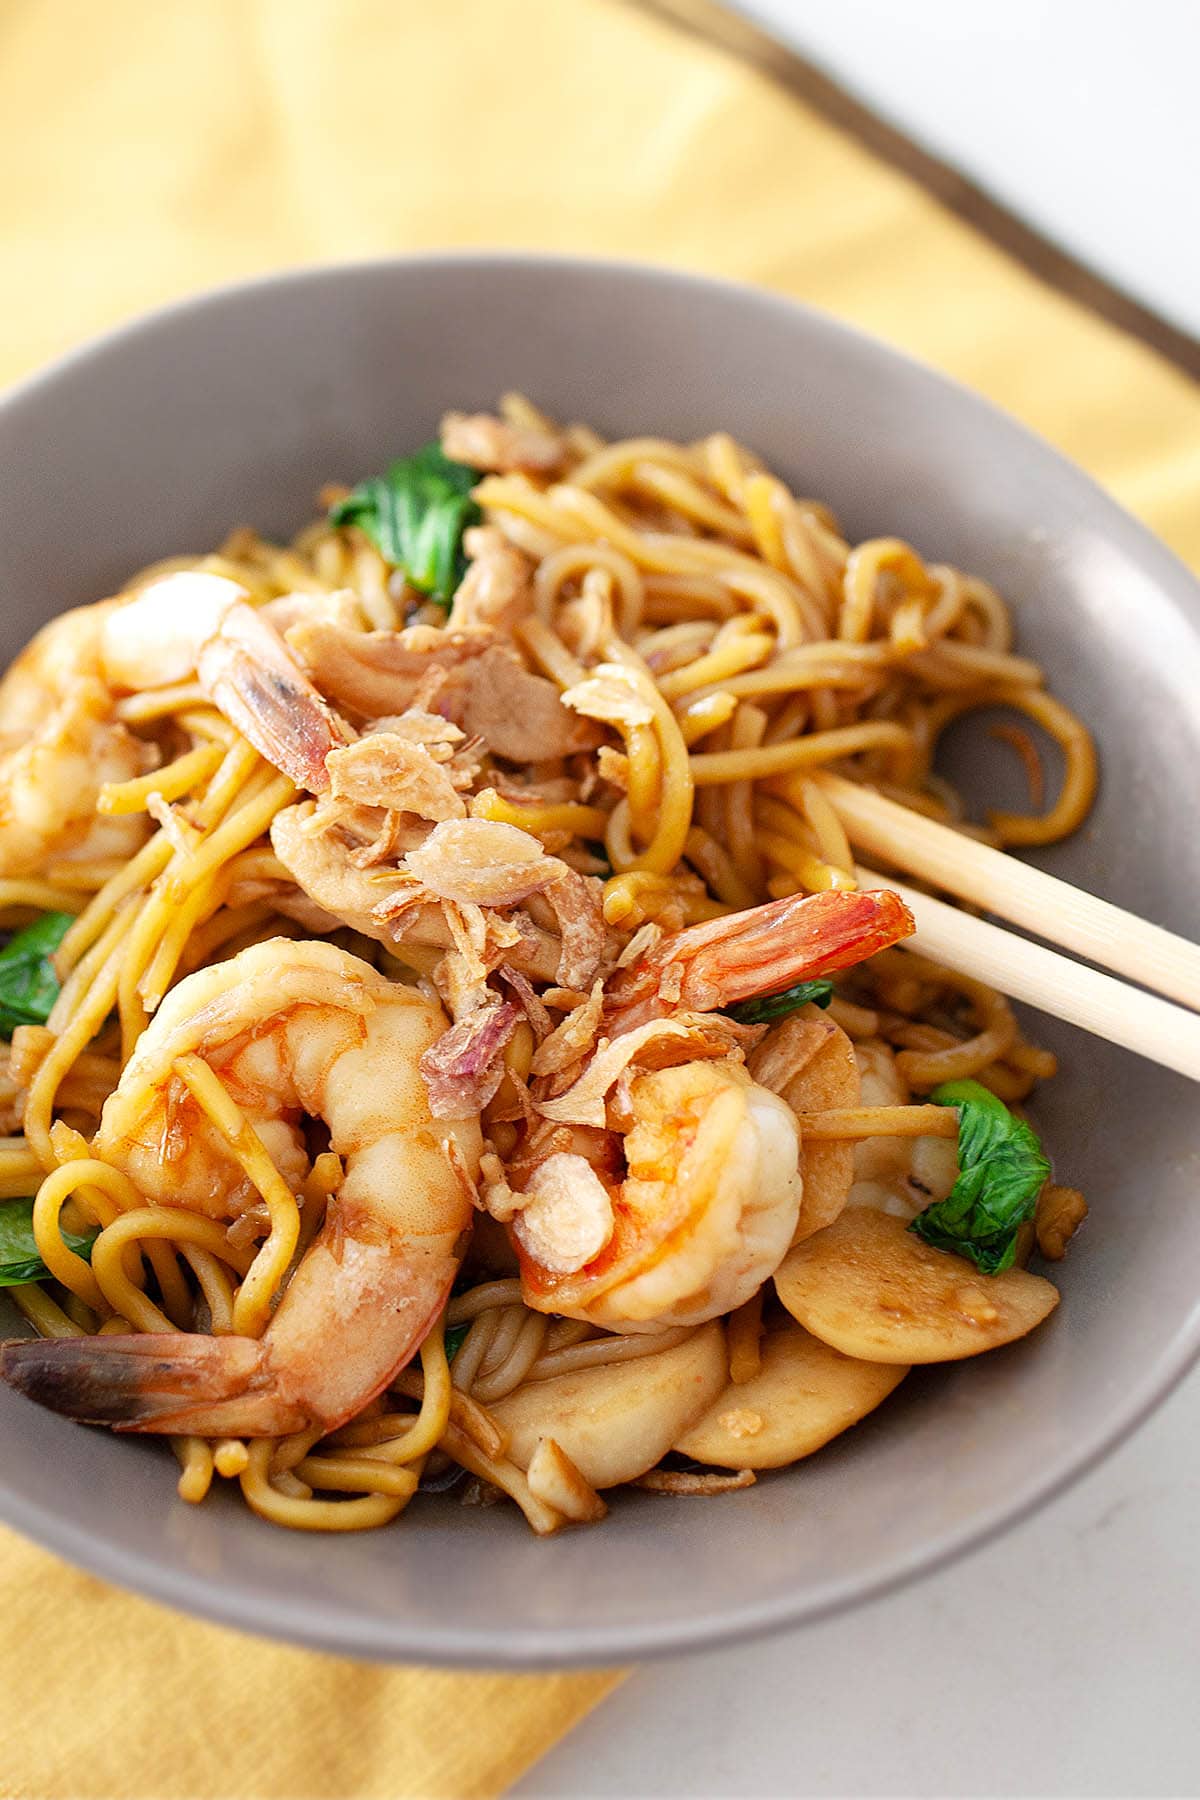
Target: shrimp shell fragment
point(294, 1028)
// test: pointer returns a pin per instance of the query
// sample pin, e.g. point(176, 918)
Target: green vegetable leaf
point(28, 984)
point(454, 1337)
point(19, 1259)
point(768, 1007)
point(1002, 1171)
point(416, 515)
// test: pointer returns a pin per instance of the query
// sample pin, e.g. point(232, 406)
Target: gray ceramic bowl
point(237, 407)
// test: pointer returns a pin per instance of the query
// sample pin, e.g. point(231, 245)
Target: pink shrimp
point(762, 951)
point(59, 744)
point(296, 1028)
point(192, 623)
point(684, 1217)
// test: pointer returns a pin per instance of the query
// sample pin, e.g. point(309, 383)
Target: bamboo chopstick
point(1151, 1027)
point(993, 879)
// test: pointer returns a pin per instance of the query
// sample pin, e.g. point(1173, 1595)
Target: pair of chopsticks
point(1166, 1032)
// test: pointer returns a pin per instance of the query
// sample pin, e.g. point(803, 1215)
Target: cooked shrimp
point(62, 651)
point(59, 743)
point(708, 1200)
point(808, 1060)
point(292, 1029)
point(192, 623)
point(760, 951)
point(900, 1175)
point(704, 1214)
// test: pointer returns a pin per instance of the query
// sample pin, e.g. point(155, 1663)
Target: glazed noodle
point(407, 1090)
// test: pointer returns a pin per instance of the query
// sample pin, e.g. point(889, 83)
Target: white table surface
point(1064, 1659)
point(1061, 1660)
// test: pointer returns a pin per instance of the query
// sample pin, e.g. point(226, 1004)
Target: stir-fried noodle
point(509, 811)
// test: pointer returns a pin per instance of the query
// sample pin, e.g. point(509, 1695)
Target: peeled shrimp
point(291, 1029)
point(809, 1061)
point(900, 1175)
point(61, 652)
point(59, 743)
point(704, 1214)
point(686, 1217)
point(192, 623)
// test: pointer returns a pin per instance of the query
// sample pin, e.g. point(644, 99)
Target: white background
point(1062, 1660)
point(1082, 115)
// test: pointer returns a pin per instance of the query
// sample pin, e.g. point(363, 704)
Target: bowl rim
point(319, 1626)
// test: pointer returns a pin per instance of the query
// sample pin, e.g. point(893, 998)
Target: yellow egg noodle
point(413, 1068)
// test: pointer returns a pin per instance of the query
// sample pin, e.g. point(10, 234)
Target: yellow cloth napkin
point(149, 150)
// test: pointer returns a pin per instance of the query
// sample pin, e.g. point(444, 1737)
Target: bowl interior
point(238, 408)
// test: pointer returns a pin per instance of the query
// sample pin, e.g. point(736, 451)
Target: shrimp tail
point(251, 676)
point(173, 1382)
point(722, 961)
point(250, 1387)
